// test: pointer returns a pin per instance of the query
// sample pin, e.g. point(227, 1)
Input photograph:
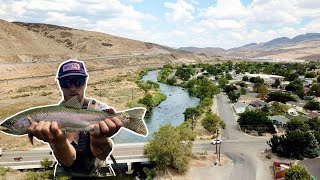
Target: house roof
point(296, 103)
point(304, 118)
point(313, 115)
point(281, 119)
point(258, 103)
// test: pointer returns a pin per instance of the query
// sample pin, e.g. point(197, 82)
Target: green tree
point(245, 78)
point(314, 90)
point(279, 109)
point(310, 75)
point(46, 163)
point(168, 148)
point(296, 87)
point(297, 172)
point(280, 97)
point(147, 100)
point(172, 81)
point(318, 79)
point(265, 109)
point(230, 88)
point(276, 83)
point(312, 148)
point(190, 112)
point(243, 91)
point(296, 123)
point(229, 76)
point(206, 103)
point(314, 124)
point(262, 91)
point(223, 82)
point(212, 122)
point(312, 105)
point(233, 96)
point(255, 120)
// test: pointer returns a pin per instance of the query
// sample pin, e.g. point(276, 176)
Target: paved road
point(244, 152)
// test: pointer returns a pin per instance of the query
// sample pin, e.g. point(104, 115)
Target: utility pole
point(192, 122)
point(216, 141)
point(219, 151)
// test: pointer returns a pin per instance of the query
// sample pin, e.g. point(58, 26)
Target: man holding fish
point(78, 130)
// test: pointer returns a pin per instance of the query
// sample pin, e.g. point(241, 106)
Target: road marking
point(20, 162)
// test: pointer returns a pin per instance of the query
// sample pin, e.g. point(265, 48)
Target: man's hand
point(47, 131)
point(100, 143)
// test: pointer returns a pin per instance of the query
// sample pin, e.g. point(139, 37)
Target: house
point(301, 117)
point(279, 169)
point(313, 115)
point(268, 79)
point(313, 166)
point(297, 105)
point(279, 121)
point(258, 103)
point(239, 107)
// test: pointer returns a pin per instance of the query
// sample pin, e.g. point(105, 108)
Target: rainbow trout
point(70, 117)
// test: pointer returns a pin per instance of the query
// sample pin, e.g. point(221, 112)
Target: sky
point(175, 23)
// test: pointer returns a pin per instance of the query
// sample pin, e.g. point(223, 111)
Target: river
point(169, 111)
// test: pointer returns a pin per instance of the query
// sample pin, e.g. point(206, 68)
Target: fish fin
point(135, 120)
point(30, 136)
point(73, 103)
point(30, 119)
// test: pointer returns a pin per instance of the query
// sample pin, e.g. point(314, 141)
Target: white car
point(216, 141)
point(0, 152)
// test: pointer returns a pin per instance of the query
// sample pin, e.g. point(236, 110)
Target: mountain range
point(304, 47)
point(30, 42)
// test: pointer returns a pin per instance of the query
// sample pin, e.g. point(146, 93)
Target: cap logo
point(71, 66)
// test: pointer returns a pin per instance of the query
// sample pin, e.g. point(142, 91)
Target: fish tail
point(30, 136)
point(135, 121)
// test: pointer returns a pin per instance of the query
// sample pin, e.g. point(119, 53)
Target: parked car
point(0, 152)
point(216, 141)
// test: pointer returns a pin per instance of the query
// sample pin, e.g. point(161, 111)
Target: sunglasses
point(66, 83)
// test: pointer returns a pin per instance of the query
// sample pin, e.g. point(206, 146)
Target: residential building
point(313, 115)
point(301, 117)
point(279, 121)
point(258, 103)
point(297, 105)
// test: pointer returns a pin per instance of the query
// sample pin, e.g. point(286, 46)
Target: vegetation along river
point(169, 111)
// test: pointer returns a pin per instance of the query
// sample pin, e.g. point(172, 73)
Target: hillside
point(93, 43)
point(209, 51)
point(36, 42)
point(18, 44)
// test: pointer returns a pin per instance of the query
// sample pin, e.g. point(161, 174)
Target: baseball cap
point(72, 68)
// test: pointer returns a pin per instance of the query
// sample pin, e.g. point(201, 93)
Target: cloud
point(181, 11)
point(226, 23)
point(62, 19)
point(135, 1)
point(231, 9)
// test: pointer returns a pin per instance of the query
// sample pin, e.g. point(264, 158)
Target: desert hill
point(305, 47)
point(92, 43)
point(37, 42)
point(18, 44)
